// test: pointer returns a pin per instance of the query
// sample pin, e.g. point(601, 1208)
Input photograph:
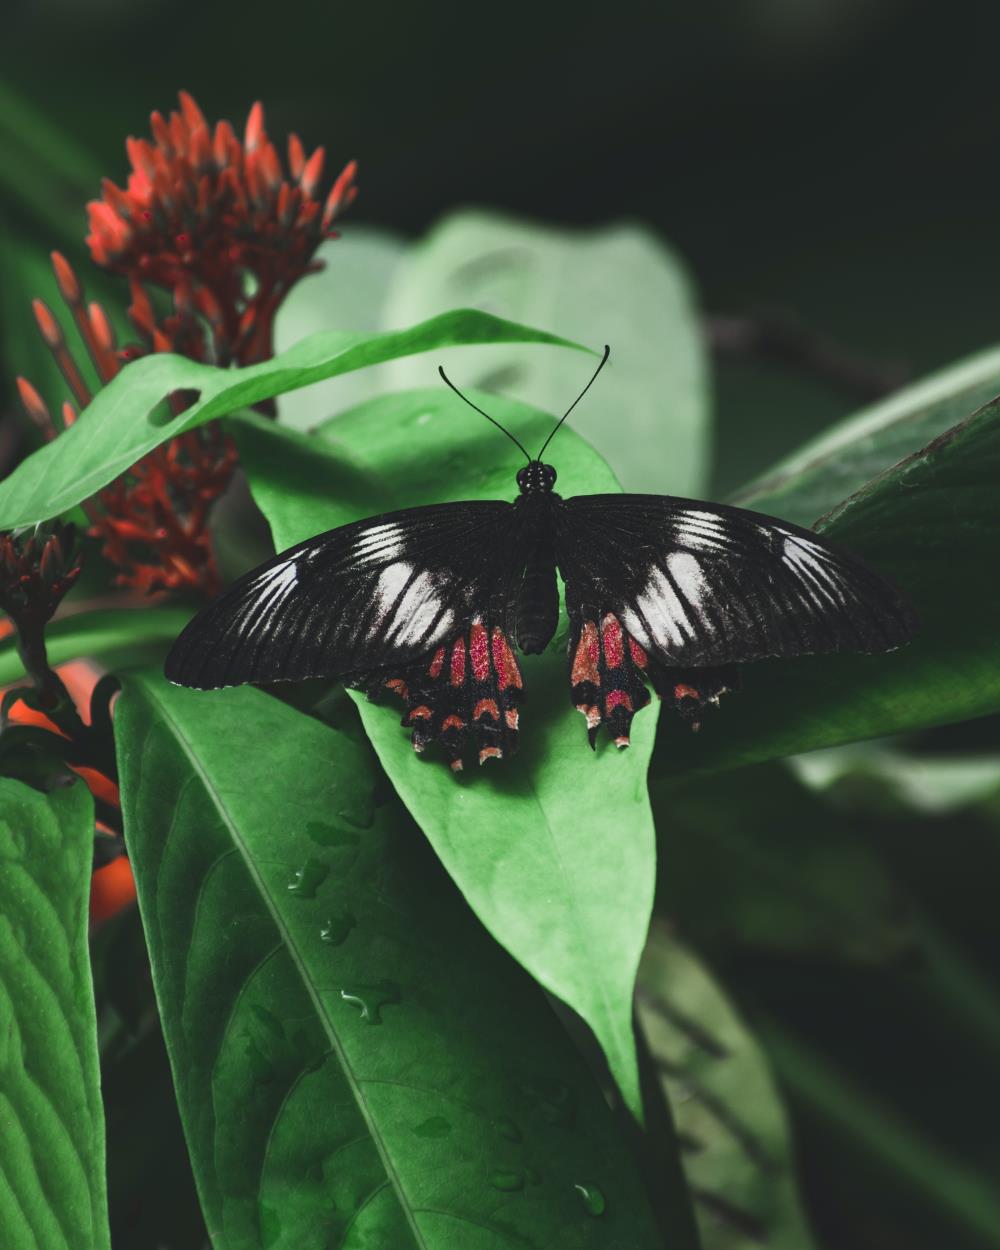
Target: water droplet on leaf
point(370, 999)
point(308, 878)
point(505, 1127)
point(509, 1182)
point(329, 835)
point(593, 1200)
point(337, 928)
point(270, 1022)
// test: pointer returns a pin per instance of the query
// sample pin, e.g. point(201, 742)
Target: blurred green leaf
point(127, 418)
point(933, 525)
point(355, 1060)
point(799, 877)
point(571, 892)
point(52, 1125)
point(349, 294)
point(648, 415)
point(98, 635)
point(816, 477)
point(737, 1152)
point(895, 1155)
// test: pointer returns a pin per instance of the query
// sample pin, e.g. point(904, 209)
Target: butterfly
point(433, 604)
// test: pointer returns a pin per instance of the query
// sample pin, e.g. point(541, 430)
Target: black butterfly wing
point(693, 586)
point(416, 601)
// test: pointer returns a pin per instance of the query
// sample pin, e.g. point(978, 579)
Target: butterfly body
point(433, 603)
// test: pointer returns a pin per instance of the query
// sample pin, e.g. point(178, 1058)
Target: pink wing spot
point(457, 668)
point(397, 686)
point(423, 712)
point(511, 717)
point(452, 722)
point(507, 670)
point(639, 657)
point(618, 698)
point(479, 652)
point(585, 660)
point(456, 766)
point(613, 641)
point(437, 664)
point(622, 742)
point(685, 692)
point(490, 753)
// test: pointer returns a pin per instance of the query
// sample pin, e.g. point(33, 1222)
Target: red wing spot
point(585, 660)
point(504, 662)
point(639, 657)
point(397, 686)
point(479, 652)
point(452, 722)
point(490, 753)
point(511, 717)
point(486, 707)
point(457, 674)
point(618, 698)
point(613, 641)
point(423, 712)
point(685, 692)
point(437, 664)
point(456, 766)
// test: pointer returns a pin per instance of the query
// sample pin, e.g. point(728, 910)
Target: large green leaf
point(356, 1062)
point(932, 523)
point(128, 418)
point(97, 635)
point(554, 849)
point(619, 285)
point(52, 1188)
point(738, 1155)
point(815, 478)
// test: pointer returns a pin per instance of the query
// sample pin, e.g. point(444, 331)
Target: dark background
point(835, 160)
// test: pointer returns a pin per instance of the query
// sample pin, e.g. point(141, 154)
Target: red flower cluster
point(214, 223)
point(217, 224)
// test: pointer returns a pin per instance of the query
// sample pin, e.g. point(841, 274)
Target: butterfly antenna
point(449, 382)
point(604, 361)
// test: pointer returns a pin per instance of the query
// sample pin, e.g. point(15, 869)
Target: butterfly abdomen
point(538, 594)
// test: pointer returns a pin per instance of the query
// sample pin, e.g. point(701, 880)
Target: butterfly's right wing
point(379, 603)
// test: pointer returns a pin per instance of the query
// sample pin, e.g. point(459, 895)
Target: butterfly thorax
point(538, 594)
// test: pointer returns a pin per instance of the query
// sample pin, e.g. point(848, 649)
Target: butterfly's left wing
point(685, 589)
point(417, 601)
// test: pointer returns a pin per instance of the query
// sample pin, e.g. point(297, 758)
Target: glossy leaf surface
point(52, 1184)
point(818, 476)
point(128, 417)
point(357, 1064)
point(553, 849)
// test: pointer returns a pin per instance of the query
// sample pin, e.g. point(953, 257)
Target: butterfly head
point(536, 478)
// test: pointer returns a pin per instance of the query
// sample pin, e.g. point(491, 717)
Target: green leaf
point(737, 1150)
point(648, 415)
point(52, 1188)
point(569, 892)
point(816, 477)
point(98, 635)
point(127, 419)
point(356, 1062)
point(932, 524)
point(350, 293)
